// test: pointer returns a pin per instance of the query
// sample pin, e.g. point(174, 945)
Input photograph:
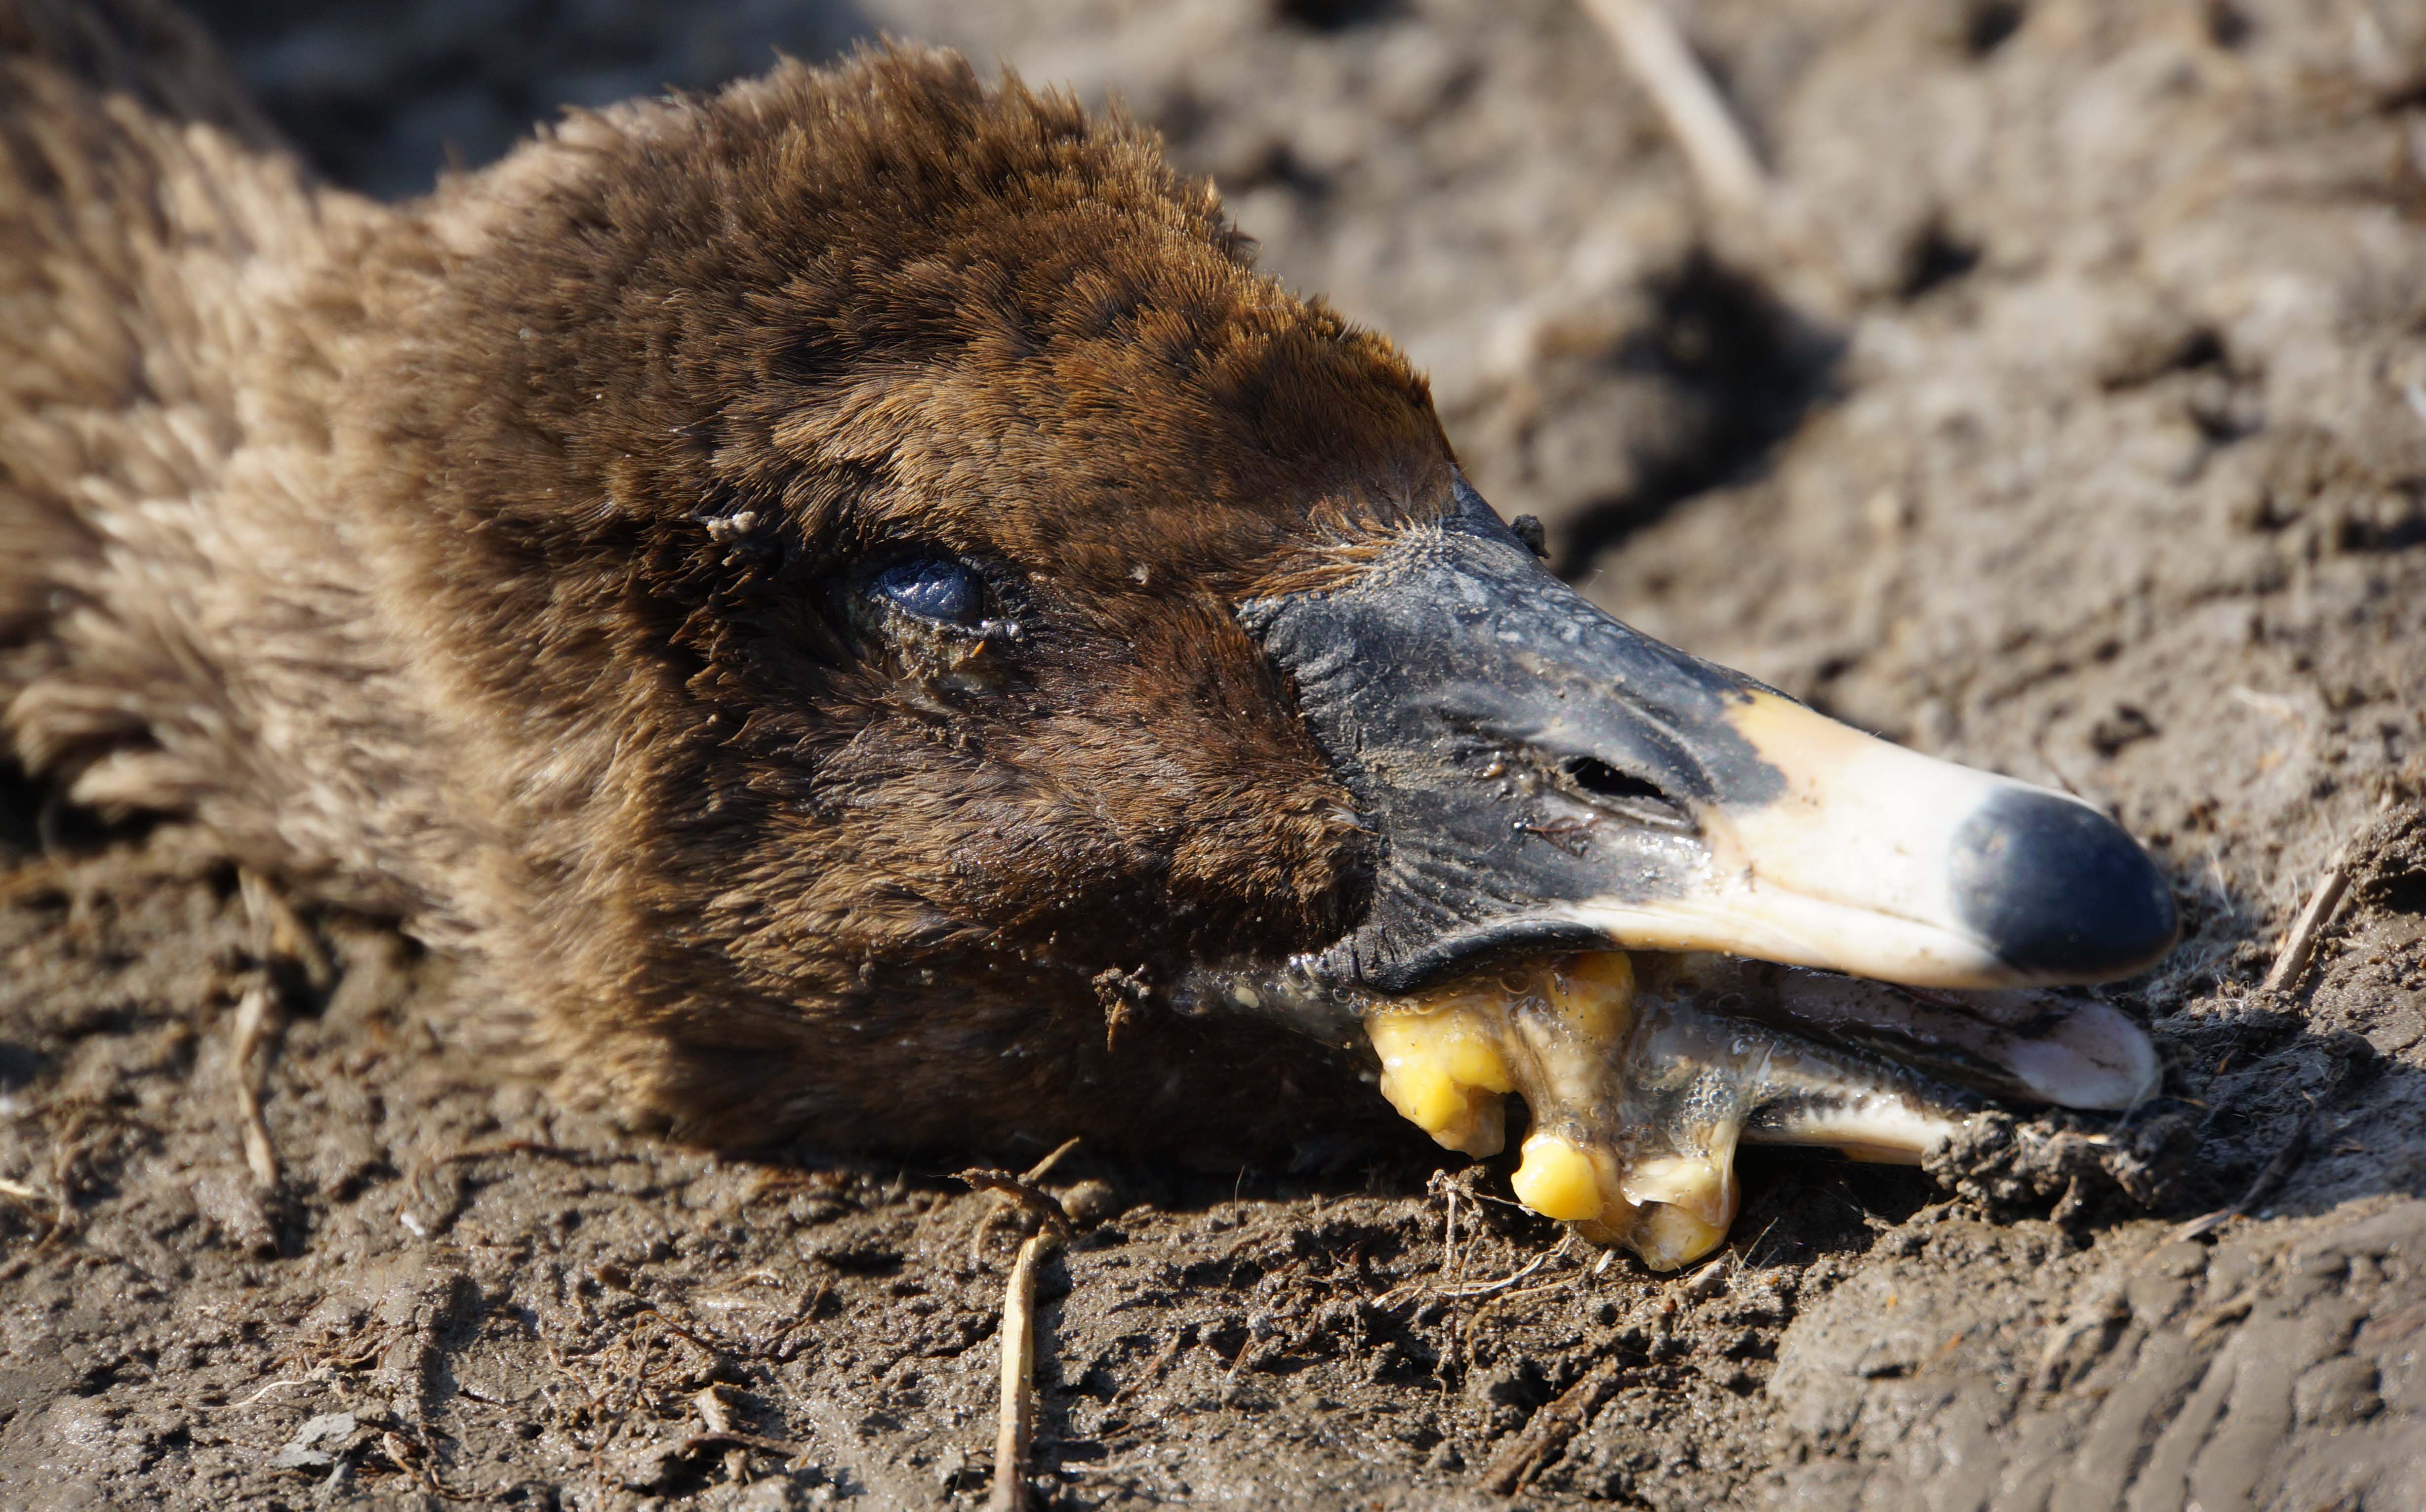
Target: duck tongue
point(1641, 1075)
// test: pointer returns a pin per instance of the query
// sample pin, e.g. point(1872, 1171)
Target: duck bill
point(1552, 793)
point(1542, 778)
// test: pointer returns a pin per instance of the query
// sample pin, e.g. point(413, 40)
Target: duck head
point(920, 593)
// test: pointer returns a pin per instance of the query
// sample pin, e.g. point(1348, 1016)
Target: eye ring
point(940, 589)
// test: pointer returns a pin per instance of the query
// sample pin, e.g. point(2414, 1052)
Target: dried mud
point(2069, 419)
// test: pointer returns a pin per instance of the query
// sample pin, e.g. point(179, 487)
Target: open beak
point(1552, 792)
point(1542, 777)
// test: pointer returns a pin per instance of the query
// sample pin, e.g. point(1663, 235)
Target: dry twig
point(280, 934)
point(279, 1385)
point(1017, 1191)
point(1548, 1431)
point(1503, 1283)
point(255, 1015)
point(1722, 162)
point(1017, 1422)
point(2302, 942)
point(1039, 1205)
point(63, 1154)
point(277, 935)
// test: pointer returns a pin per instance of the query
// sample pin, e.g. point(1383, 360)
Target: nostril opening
point(1596, 776)
point(1600, 780)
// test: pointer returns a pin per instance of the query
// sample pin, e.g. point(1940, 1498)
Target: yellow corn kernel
point(1443, 1076)
point(1594, 993)
point(1471, 1059)
point(1424, 1096)
point(1419, 1048)
point(1557, 1179)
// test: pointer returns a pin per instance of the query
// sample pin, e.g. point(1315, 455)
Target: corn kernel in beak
point(1557, 1181)
point(1443, 1071)
point(1637, 1100)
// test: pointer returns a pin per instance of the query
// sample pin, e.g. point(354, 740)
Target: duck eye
point(933, 588)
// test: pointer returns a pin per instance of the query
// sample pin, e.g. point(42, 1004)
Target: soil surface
point(2060, 408)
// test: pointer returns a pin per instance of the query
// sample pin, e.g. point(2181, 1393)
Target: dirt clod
point(2011, 1165)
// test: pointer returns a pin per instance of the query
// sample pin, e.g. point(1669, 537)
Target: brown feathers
point(502, 560)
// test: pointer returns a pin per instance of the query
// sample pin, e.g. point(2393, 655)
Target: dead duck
point(856, 613)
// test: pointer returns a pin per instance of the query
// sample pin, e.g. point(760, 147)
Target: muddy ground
point(2061, 410)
